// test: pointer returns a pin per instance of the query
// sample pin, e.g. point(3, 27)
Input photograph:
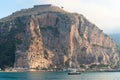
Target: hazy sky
point(104, 13)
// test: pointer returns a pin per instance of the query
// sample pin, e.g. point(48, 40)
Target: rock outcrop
point(47, 36)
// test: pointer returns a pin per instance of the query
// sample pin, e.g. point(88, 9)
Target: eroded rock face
point(57, 38)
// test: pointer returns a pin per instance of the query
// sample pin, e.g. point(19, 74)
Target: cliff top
point(37, 9)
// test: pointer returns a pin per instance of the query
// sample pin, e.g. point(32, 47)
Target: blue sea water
point(59, 76)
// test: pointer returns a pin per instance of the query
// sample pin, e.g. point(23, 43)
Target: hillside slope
point(47, 36)
point(116, 37)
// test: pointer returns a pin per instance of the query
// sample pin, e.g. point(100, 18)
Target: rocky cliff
point(47, 36)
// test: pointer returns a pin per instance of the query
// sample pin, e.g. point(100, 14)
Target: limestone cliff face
point(49, 37)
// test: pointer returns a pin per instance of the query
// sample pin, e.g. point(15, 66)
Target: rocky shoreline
point(60, 70)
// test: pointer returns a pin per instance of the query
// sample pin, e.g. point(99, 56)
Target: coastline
point(112, 70)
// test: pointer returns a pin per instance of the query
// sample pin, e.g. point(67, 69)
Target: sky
point(103, 13)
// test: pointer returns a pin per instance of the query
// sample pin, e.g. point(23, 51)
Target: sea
point(59, 76)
